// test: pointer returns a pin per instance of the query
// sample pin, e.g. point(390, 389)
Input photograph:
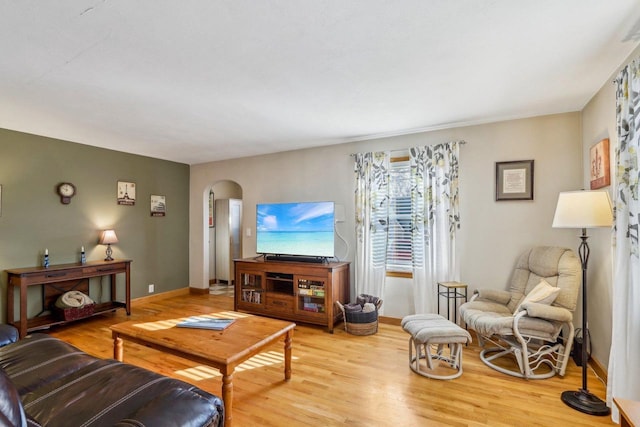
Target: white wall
point(492, 233)
point(598, 122)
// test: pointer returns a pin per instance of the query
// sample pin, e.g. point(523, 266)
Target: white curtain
point(624, 370)
point(435, 219)
point(372, 211)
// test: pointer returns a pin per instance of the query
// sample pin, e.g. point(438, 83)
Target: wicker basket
point(75, 313)
point(359, 323)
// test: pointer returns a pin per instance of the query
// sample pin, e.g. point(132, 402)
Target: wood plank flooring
point(342, 379)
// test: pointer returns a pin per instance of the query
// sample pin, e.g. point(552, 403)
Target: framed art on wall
point(126, 193)
point(600, 173)
point(514, 180)
point(158, 205)
point(212, 222)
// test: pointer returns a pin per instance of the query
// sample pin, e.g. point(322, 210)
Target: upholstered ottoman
point(428, 330)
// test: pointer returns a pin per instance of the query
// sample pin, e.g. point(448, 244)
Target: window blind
point(399, 239)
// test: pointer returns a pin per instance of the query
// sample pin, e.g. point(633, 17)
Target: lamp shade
point(583, 209)
point(108, 237)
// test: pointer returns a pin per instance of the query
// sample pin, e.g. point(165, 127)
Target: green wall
point(32, 217)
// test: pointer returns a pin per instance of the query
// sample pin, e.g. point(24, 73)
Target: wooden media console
point(298, 291)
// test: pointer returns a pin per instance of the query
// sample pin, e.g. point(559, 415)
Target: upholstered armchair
point(530, 322)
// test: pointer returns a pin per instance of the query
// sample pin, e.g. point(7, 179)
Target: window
point(399, 239)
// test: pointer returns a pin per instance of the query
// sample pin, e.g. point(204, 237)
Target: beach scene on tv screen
point(295, 228)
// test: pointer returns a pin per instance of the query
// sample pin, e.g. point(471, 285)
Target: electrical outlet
point(152, 288)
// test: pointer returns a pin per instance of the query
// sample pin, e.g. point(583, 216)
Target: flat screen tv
point(305, 229)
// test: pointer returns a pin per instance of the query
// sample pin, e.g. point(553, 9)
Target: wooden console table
point(57, 279)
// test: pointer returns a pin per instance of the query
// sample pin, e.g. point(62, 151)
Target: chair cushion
point(499, 321)
point(434, 329)
point(543, 293)
point(560, 267)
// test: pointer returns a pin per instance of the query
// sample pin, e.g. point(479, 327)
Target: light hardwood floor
point(342, 379)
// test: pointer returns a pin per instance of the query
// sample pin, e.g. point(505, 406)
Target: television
point(299, 229)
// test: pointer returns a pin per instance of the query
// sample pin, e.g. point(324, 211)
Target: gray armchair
point(526, 322)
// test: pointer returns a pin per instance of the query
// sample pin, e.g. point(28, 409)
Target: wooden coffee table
point(223, 350)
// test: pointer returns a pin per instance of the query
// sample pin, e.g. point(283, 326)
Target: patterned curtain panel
point(624, 369)
point(435, 219)
point(372, 212)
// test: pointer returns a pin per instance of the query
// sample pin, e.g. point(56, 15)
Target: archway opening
point(222, 234)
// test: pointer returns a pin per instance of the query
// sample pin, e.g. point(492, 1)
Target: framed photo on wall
point(212, 220)
point(126, 193)
point(514, 180)
point(600, 174)
point(158, 205)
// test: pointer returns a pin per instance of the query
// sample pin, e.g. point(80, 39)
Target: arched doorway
point(223, 234)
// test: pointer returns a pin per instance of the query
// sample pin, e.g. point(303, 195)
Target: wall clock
point(66, 190)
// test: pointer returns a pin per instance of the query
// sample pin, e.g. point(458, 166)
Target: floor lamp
point(584, 209)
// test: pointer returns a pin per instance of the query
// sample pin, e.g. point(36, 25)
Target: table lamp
point(107, 238)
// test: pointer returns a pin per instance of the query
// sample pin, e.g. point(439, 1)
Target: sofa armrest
point(547, 312)
point(8, 334)
point(189, 408)
point(11, 410)
point(496, 295)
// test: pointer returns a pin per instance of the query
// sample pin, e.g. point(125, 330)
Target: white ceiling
point(201, 80)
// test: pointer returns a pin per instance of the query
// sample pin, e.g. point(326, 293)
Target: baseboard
point(198, 291)
point(599, 369)
point(389, 320)
point(161, 295)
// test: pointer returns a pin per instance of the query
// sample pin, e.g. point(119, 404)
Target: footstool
point(429, 330)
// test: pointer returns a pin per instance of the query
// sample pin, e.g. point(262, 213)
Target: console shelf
point(298, 291)
point(48, 320)
point(56, 280)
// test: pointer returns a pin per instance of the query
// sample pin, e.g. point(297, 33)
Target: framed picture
point(212, 220)
point(158, 205)
point(514, 180)
point(126, 193)
point(600, 175)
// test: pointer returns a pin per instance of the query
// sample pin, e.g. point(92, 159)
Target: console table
point(57, 279)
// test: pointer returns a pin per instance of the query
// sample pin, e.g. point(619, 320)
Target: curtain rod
point(460, 141)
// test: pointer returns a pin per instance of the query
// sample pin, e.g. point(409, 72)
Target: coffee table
point(223, 350)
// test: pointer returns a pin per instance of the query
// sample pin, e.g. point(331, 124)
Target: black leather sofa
point(47, 382)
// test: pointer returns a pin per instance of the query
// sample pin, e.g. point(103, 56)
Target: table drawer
point(105, 269)
point(280, 303)
point(46, 277)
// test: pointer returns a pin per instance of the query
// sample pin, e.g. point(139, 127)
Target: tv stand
point(297, 258)
point(298, 291)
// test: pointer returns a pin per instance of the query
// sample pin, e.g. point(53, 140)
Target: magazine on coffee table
point(206, 323)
